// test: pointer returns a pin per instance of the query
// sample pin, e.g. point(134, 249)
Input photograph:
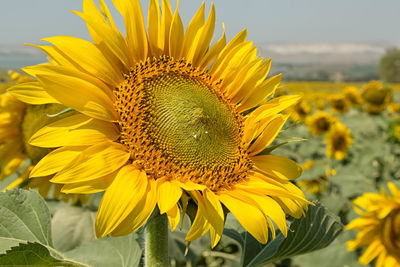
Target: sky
point(267, 21)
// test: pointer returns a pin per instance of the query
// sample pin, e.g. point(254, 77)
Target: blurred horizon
point(302, 38)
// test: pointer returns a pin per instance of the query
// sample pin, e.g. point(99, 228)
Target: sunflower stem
point(156, 249)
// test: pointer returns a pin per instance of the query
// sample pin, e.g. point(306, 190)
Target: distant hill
point(325, 61)
point(18, 56)
point(298, 61)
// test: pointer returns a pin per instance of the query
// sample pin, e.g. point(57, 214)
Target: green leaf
point(24, 216)
point(25, 237)
point(31, 254)
point(315, 231)
point(335, 252)
point(109, 251)
point(72, 227)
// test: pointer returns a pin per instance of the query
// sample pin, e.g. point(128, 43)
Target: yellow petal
point(271, 187)
point(12, 164)
point(168, 194)
point(31, 93)
point(176, 35)
point(48, 69)
point(268, 135)
point(120, 199)
point(21, 179)
point(239, 71)
point(282, 167)
point(105, 35)
point(87, 58)
point(199, 227)
point(261, 92)
point(55, 161)
point(250, 217)
point(94, 162)
point(290, 206)
point(255, 76)
point(75, 130)
point(269, 207)
point(203, 38)
point(90, 187)
point(80, 95)
point(216, 219)
point(274, 106)
point(214, 51)
point(173, 217)
point(55, 55)
point(190, 186)
point(19, 78)
point(393, 189)
point(154, 26)
point(235, 60)
point(140, 213)
point(194, 26)
point(165, 26)
point(372, 251)
point(238, 39)
point(106, 13)
point(136, 35)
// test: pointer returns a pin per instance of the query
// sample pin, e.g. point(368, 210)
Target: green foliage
point(389, 66)
point(26, 240)
point(24, 217)
point(110, 251)
point(31, 254)
point(72, 226)
point(313, 232)
point(336, 253)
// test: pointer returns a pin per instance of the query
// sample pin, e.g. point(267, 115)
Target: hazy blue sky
point(266, 20)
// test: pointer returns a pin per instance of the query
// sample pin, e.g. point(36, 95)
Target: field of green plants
point(63, 231)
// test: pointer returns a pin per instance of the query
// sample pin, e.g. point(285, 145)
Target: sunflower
point(394, 107)
point(319, 102)
point(317, 185)
point(377, 97)
point(379, 227)
point(11, 156)
point(314, 186)
point(163, 116)
point(320, 122)
point(338, 141)
point(300, 111)
point(307, 165)
point(352, 94)
point(394, 130)
point(338, 103)
point(19, 122)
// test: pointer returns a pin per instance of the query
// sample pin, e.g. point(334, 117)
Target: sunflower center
point(177, 123)
point(189, 122)
point(339, 142)
point(323, 124)
point(390, 233)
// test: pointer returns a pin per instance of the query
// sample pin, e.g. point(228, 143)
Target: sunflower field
point(165, 145)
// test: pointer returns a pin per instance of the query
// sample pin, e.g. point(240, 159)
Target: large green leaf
point(24, 217)
point(72, 227)
point(336, 253)
point(110, 251)
point(314, 231)
point(32, 254)
point(25, 237)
